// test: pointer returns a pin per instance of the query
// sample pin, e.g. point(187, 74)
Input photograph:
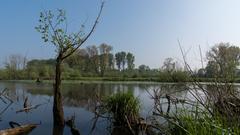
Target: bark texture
point(58, 115)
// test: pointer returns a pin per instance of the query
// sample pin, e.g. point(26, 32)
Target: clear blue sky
point(148, 28)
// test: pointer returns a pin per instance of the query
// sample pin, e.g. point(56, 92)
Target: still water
point(78, 101)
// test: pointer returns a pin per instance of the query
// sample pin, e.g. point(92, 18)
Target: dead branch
point(71, 124)
point(27, 109)
point(25, 105)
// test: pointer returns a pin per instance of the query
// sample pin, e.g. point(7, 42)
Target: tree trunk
point(57, 130)
point(58, 115)
point(102, 71)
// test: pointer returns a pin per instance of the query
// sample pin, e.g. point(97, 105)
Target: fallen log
point(21, 130)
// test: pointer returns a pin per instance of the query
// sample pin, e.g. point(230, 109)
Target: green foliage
point(118, 60)
point(143, 68)
point(3, 74)
point(122, 107)
point(223, 61)
point(130, 61)
point(201, 123)
point(88, 62)
point(104, 61)
point(52, 28)
point(40, 69)
point(123, 57)
point(71, 74)
point(180, 76)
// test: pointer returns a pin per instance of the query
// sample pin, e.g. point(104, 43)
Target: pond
point(78, 101)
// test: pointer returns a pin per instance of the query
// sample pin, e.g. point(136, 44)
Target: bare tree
point(13, 64)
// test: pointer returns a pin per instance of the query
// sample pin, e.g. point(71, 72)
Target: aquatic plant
point(123, 108)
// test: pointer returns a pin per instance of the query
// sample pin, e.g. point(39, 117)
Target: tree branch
point(88, 35)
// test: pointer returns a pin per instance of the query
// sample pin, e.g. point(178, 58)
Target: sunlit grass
point(123, 107)
point(201, 123)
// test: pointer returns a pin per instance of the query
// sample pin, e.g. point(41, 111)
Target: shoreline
point(114, 82)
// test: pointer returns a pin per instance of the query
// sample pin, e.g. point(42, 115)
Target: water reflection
point(79, 100)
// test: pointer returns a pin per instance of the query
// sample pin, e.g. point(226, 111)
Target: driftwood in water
point(21, 130)
point(27, 109)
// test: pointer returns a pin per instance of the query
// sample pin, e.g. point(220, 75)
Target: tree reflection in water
point(79, 99)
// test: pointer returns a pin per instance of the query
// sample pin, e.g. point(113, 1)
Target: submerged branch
point(26, 109)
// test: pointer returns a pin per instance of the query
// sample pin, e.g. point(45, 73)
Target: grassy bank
point(116, 79)
point(126, 79)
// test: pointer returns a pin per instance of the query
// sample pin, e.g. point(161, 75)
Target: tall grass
point(189, 123)
point(123, 108)
point(214, 113)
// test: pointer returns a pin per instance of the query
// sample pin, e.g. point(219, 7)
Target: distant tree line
point(100, 61)
point(92, 61)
